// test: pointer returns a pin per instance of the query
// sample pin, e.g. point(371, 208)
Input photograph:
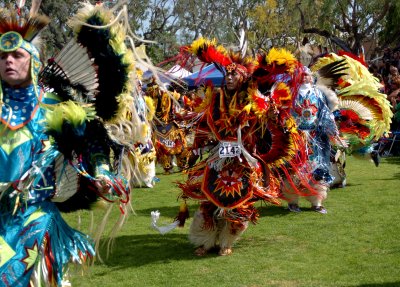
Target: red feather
point(344, 53)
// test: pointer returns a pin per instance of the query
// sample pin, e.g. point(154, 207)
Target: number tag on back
point(229, 149)
point(168, 143)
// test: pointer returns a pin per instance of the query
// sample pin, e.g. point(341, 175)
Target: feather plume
point(21, 4)
point(71, 74)
point(151, 109)
point(357, 107)
point(281, 57)
point(276, 63)
point(359, 85)
point(106, 44)
point(209, 52)
point(355, 57)
point(34, 7)
point(329, 75)
point(66, 112)
point(281, 94)
point(331, 97)
point(66, 125)
point(27, 27)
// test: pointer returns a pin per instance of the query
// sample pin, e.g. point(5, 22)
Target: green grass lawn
point(356, 244)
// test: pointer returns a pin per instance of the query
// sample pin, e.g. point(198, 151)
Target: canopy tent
point(209, 73)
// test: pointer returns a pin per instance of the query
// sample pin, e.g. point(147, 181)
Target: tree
point(346, 23)
point(199, 18)
point(156, 23)
point(389, 35)
point(273, 23)
point(58, 32)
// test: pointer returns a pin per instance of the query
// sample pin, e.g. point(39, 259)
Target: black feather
point(70, 140)
point(84, 198)
point(333, 71)
point(111, 69)
point(53, 79)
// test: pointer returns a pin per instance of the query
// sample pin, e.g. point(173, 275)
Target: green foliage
point(389, 34)
point(273, 23)
point(267, 22)
point(355, 244)
point(139, 11)
point(58, 32)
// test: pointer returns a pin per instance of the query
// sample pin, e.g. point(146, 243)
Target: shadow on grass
point(395, 177)
point(263, 209)
point(389, 284)
point(273, 210)
point(392, 160)
point(172, 212)
point(166, 211)
point(347, 185)
point(140, 250)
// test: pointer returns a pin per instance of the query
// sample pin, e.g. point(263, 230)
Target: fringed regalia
point(169, 138)
point(252, 143)
point(58, 151)
point(316, 123)
point(143, 155)
point(313, 109)
point(364, 113)
point(36, 243)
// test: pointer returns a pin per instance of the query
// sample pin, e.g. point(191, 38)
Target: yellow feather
point(150, 108)
point(206, 101)
point(281, 57)
point(66, 111)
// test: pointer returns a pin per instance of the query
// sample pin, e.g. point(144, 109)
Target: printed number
point(229, 150)
point(168, 143)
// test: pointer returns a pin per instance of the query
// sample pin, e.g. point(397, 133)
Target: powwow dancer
point(142, 155)
point(313, 110)
point(57, 152)
point(252, 140)
point(169, 138)
point(364, 114)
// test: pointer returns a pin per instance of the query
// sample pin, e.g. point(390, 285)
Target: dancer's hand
point(102, 185)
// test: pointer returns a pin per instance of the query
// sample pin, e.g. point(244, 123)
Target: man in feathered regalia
point(56, 153)
point(313, 109)
point(252, 141)
point(169, 138)
point(341, 107)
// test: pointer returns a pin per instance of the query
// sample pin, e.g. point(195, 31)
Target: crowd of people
point(81, 130)
point(386, 69)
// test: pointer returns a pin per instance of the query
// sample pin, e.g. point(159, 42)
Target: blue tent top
point(209, 73)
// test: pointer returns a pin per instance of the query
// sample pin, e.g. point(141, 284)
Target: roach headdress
point(20, 28)
point(227, 61)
